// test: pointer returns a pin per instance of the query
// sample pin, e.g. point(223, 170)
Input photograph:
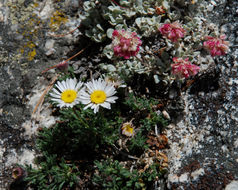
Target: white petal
point(75, 81)
point(78, 86)
point(56, 91)
point(112, 99)
point(96, 109)
point(60, 87)
point(110, 91)
point(57, 101)
point(103, 85)
point(96, 85)
point(83, 101)
point(89, 105)
point(71, 84)
point(85, 97)
point(55, 95)
point(84, 93)
point(77, 101)
point(94, 106)
point(64, 85)
point(90, 87)
point(106, 105)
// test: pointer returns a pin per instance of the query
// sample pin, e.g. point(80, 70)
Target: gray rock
point(232, 186)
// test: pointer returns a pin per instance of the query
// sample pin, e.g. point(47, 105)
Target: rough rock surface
point(203, 143)
point(26, 49)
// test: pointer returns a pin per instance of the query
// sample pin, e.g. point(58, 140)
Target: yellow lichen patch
point(30, 48)
point(31, 55)
point(29, 26)
point(34, 21)
point(36, 4)
point(30, 45)
point(57, 19)
point(21, 50)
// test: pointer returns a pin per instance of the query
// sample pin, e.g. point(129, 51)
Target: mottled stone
point(208, 132)
point(232, 186)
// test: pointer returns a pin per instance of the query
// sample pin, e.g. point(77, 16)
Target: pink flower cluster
point(182, 68)
point(125, 44)
point(216, 46)
point(172, 31)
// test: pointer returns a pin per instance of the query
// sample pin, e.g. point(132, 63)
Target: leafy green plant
point(78, 135)
point(82, 135)
point(53, 174)
point(71, 135)
point(114, 176)
point(137, 145)
point(140, 103)
point(144, 109)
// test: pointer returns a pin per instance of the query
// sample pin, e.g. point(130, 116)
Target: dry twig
point(41, 100)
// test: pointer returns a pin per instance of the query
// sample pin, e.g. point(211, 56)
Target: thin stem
point(80, 119)
point(64, 62)
point(62, 35)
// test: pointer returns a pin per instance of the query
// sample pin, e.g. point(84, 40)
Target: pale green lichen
point(18, 12)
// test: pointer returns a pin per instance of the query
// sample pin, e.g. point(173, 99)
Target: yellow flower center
point(98, 97)
point(127, 129)
point(68, 96)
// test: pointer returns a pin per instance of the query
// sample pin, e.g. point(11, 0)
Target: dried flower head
point(128, 129)
point(63, 66)
point(17, 173)
point(182, 68)
point(173, 31)
point(216, 46)
point(125, 44)
point(160, 10)
point(117, 83)
point(98, 93)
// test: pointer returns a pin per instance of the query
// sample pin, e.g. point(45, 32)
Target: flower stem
point(80, 119)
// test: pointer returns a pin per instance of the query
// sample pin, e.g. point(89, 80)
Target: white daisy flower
point(66, 93)
point(98, 93)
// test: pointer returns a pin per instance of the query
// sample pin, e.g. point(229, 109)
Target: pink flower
point(216, 46)
point(125, 44)
point(182, 68)
point(172, 31)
